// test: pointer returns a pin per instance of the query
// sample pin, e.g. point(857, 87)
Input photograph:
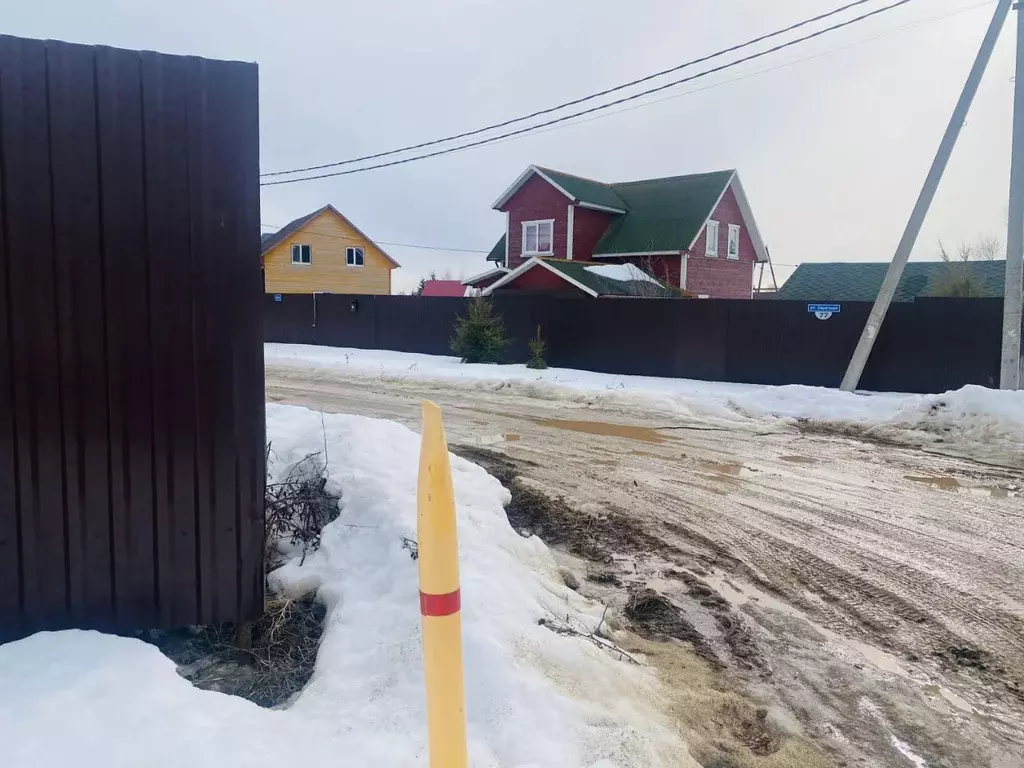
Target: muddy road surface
point(876, 591)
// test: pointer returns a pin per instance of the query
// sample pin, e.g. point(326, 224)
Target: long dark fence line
point(929, 345)
point(131, 384)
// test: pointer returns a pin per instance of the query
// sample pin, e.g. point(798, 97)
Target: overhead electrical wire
point(574, 102)
point(775, 68)
point(590, 110)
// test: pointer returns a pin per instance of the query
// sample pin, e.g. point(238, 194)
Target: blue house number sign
point(823, 311)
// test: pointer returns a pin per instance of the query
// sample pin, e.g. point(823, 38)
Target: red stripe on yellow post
point(440, 600)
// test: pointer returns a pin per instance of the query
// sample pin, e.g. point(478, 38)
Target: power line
point(600, 107)
point(574, 102)
point(385, 242)
point(766, 70)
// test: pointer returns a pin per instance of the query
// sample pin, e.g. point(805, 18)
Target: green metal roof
point(663, 214)
point(498, 251)
point(585, 190)
point(604, 286)
point(660, 214)
point(862, 281)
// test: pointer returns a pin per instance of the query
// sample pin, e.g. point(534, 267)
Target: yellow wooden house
point(323, 252)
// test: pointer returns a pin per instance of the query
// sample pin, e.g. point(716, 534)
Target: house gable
point(329, 234)
point(536, 200)
point(721, 277)
point(575, 189)
point(732, 208)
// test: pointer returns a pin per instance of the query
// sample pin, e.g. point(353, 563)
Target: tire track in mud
point(898, 606)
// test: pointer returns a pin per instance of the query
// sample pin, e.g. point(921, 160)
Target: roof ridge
point(573, 175)
point(671, 178)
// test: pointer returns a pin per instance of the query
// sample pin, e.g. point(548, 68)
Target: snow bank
point(974, 419)
point(624, 272)
point(534, 698)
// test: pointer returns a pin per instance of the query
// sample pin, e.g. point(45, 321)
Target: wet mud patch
point(795, 459)
point(654, 617)
point(735, 634)
point(534, 513)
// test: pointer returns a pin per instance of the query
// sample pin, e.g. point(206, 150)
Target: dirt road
point(882, 587)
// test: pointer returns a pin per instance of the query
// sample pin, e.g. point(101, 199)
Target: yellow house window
point(354, 257)
point(302, 254)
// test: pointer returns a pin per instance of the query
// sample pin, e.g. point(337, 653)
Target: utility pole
point(1010, 368)
point(924, 200)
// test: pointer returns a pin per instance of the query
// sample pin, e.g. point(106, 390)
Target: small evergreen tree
point(480, 336)
point(423, 282)
point(537, 349)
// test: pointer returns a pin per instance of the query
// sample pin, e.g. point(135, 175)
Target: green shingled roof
point(604, 286)
point(498, 251)
point(660, 214)
point(664, 214)
point(585, 190)
point(861, 281)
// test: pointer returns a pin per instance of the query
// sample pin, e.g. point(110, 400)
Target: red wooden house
point(695, 232)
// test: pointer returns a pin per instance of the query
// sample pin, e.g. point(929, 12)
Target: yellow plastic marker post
point(440, 601)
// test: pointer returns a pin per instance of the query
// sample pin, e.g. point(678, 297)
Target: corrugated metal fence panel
point(930, 345)
point(131, 401)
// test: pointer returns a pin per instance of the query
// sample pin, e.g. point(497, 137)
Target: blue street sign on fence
point(823, 311)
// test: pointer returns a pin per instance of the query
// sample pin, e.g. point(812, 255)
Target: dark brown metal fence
point(930, 345)
point(131, 382)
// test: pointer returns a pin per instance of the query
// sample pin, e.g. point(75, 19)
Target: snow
point(970, 418)
point(535, 699)
point(623, 272)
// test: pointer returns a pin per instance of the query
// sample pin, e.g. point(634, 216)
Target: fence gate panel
point(131, 386)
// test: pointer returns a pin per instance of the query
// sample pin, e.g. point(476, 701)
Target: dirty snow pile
point(972, 418)
point(625, 273)
point(534, 698)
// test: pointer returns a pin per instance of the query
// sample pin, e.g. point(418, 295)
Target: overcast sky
point(831, 148)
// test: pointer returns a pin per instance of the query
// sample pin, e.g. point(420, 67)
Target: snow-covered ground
point(534, 698)
point(970, 418)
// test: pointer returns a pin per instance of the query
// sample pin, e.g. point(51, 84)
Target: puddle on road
point(799, 459)
point(947, 483)
point(724, 467)
point(643, 434)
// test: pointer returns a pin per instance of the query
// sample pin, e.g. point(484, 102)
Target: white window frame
point(297, 250)
point(734, 233)
point(711, 243)
point(350, 254)
point(537, 223)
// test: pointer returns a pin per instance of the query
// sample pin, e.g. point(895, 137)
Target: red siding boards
point(540, 279)
point(722, 278)
point(536, 200)
point(588, 227)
